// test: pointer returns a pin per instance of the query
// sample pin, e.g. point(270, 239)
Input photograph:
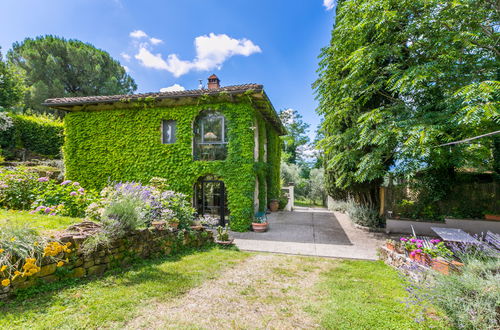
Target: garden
point(461, 279)
point(52, 230)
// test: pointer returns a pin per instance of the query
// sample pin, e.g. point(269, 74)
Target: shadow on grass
point(38, 299)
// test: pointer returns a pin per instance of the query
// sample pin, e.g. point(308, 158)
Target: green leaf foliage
point(56, 67)
point(11, 85)
point(125, 145)
point(401, 77)
point(38, 134)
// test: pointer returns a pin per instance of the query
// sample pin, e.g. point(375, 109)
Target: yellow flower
point(60, 264)
point(1, 250)
point(17, 273)
point(4, 267)
point(6, 282)
point(36, 244)
point(12, 239)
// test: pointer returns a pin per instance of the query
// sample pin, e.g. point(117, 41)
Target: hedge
point(38, 135)
point(125, 145)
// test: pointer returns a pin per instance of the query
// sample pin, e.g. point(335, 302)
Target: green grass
point(307, 203)
point(364, 295)
point(36, 221)
point(116, 298)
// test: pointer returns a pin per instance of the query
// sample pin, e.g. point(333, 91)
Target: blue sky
point(177, 42)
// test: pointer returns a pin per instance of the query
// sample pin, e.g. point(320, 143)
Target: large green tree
point(11, 85)
point(56, 67)
point(398, 79)
point(296, 139)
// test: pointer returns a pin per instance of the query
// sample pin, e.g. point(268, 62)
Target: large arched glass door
point(210, 198)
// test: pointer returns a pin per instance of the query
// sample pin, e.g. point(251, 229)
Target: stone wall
point(143, 244)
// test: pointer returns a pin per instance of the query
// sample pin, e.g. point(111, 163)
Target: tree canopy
point(56, 67)
point(11, 85)
point(401, 77)
point(296, 138)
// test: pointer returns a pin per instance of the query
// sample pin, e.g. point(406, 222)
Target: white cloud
point(155, 41)
point(125, 56)
point(138, 34)
point(173, 88)
point(127, 70)
point(329, 4)
point(211, 52)
point(151, 60)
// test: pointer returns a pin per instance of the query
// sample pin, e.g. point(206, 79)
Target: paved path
point(315, 232)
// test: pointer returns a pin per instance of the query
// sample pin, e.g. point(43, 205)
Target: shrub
point(38, 134)
point(339, 206)
point(17, 188)
point(363, 215)
point(22, 250)
point(471, 298)
point(122, 214)
point(66, 198)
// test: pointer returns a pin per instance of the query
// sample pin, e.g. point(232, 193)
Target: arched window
point(210, 136)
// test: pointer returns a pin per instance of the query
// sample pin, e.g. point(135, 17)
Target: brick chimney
point(213, 82)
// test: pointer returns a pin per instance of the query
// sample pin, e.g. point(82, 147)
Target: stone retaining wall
point(403, 264)
point(142, 244)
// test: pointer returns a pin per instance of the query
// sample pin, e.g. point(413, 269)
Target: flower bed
point(65, 258)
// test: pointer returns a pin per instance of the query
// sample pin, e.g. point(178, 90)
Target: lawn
point(112, 300)
point(364, 295)
point(36, 221)
point(233, 290)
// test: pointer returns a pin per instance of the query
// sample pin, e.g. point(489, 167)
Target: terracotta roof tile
point(69, 101)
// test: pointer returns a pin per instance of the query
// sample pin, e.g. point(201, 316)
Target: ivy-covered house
point(219, 145)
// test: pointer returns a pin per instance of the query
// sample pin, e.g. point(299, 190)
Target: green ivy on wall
point(274, 162)
point(125, 145)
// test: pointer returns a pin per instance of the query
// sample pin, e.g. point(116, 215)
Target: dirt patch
point(266, 291)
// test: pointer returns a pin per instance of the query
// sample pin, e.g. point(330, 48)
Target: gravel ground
point(266, 291)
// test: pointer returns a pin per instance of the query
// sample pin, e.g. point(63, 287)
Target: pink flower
point(76, 183)
point(402, 239)
point(73, 193)
point(419, 245)
point(413, 240)
point(43, 179)
point(412, 253)
point(418, 251)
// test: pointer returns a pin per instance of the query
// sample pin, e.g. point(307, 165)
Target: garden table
point(454, 235)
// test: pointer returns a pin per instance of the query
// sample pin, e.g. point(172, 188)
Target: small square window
point(169, 128)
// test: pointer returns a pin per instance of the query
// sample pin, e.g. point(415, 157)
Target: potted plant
point(390, 244)
point(259, 225)
point(159, 225)
point(173, 223)
point(274, 205)
point(196, 225)
point(495, 217)
point(223, 236)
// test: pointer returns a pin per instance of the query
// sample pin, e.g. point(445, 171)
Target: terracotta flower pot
point(274, 205)
point(441, 265)
point(259, 227)
point(421, 258)
point(159, 225)
point(225, 243)
point(495, 217)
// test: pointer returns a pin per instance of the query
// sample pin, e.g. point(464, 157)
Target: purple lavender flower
point(81, 190)
point(43, 179)
point(73, 193)
point(76, 183)
point(65, 182)
point(52, 213)
point(48, 210)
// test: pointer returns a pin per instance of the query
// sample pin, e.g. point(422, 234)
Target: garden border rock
point(144, 244)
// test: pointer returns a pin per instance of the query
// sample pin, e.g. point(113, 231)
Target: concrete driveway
point(316, 232)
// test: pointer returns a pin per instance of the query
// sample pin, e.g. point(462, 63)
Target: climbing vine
point(126, 145)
